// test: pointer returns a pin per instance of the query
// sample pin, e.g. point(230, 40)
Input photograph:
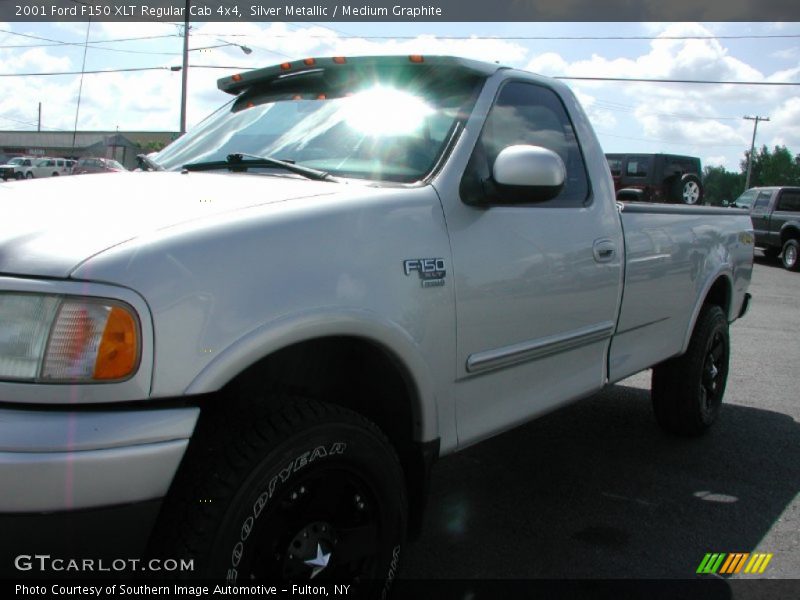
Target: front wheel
point(307, 491)
point(790, 251)
point(687, 390)
point(28, 175)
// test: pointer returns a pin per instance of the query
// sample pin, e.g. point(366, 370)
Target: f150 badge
point(430, 270)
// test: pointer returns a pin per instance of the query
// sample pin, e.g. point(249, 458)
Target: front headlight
point(50, 338)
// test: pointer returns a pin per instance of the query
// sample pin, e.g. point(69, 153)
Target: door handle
point(604, 250)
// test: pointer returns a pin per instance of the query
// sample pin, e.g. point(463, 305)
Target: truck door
point(787, 209)
point(538, 284)
point(761, 221)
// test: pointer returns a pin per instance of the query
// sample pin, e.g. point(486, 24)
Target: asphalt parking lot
point(596, 490)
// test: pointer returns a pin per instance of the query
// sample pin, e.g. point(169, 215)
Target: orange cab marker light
point(339, 60)
point(250, 105)
point(322, 97)
point(309, 61)
point(237, 77)
point(118, 351)
point(286, 66)
point(416, 58)
point(297, 97)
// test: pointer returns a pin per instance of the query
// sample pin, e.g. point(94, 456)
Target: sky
point(698, 120)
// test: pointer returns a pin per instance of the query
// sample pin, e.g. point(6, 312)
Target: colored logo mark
point(730, 564)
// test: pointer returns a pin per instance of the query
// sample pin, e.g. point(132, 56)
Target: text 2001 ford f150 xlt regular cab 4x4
point(358, 266)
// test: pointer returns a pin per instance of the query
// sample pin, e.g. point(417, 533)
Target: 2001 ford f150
point(355, 267)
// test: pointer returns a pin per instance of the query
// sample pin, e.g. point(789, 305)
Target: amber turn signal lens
point(118, 350)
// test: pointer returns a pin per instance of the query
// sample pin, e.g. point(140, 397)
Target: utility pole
point(39, 125)
point(185, 70)
point(756, 119)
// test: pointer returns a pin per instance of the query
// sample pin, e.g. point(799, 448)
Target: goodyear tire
point(789, 258)
point(306, 492)
point(687, 390)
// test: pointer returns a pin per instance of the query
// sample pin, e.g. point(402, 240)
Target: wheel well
point(356, 374)
point(790, 233)
point(720, 294)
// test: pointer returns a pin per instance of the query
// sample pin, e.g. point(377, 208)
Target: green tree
point(154, 146)
point(776, 167)
point(721, 185)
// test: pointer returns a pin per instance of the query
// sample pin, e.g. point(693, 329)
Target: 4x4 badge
point(430, 270)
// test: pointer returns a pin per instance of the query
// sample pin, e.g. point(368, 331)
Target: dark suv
point(656, 177)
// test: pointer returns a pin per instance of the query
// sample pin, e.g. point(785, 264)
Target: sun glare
point(381, 111)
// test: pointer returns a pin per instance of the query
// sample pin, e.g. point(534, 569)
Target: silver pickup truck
point(255, 349)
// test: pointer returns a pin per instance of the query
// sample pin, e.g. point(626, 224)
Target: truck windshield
point(387, 127)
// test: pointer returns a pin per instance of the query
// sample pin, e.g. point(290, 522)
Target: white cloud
point(787, 54)
point(784, 125)
point(715, 161)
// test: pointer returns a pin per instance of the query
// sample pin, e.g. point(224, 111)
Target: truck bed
point(673, 257)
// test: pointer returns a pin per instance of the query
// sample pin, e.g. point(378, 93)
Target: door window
point(525, 113)
point(762, 200)
point(789, 201)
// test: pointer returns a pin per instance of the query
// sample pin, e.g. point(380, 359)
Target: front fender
point(309, 325)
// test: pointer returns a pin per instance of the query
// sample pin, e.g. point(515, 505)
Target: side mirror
point(528, 174)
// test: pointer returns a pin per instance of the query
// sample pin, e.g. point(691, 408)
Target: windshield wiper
point(237, 162)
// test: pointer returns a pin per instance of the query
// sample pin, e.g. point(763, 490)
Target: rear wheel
point(690, 190)
point(687, 390)
point(28, 175)
point(790, 252)
point(307, 491)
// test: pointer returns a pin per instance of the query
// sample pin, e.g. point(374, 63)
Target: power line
point(60, 43)
point(30, 123)
point(535, 37)
point(87, 72)
point(249, 67)
point(699, 81)
point(63, 43)
point(627, 108)
point(625, 137)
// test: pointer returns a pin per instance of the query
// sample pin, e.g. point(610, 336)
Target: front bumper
point(96, 534)
point(69, 460)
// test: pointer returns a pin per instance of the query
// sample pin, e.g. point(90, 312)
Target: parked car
point(255, 353)
point(15, 168)
point(775, 212)
point(656, 177)
point(97, 165)
point(46, 167)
